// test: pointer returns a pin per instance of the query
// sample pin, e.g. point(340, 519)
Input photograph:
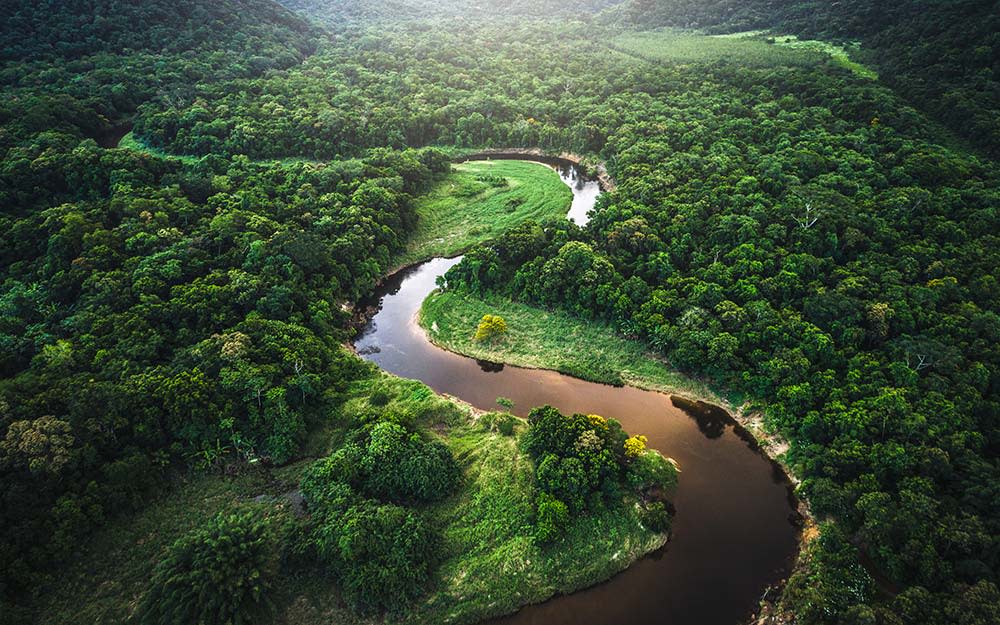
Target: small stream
point(735, 531)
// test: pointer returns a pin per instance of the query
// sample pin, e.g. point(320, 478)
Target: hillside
point(943, 57)
point(348, 12)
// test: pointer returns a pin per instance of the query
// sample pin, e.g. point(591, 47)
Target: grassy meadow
point(479, 200)
point(543, 339)
point(688, 48)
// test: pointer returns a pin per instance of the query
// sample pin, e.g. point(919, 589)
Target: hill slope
point(942, 56)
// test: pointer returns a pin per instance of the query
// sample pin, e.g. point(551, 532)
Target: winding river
point(734, 533)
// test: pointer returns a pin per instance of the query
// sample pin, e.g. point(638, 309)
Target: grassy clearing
point(838, 53)
point(479, 200)
point(683, 47)
point(555, 340)
point(491, 567)
point(104, 583)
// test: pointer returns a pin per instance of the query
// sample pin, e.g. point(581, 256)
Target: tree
point(551, 518)
point(634, 446)
point(491, 328)
point(219, 574)
point(42, 445)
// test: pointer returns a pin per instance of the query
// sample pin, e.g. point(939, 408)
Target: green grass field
point(687, 48)
point(555, 340)
point(479, 200)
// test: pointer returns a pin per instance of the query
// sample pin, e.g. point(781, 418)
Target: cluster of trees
point(406, 86)
point(157, 311)
point(584, 462)
point(194, 314)
point(348, 13)
point(364, 527)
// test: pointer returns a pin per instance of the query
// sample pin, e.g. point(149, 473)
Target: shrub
point(491, 327)
point(218, 574)
point(551, 518)
point(651, 470)
point(634, 446)
point(655, 517)
point(402, 467)
point(342, 467)
point(382, 554)
point(565, 479)
point(502, 422)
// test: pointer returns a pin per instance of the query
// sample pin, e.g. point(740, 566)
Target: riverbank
point(555, 340)
point(591, 168)
point(490, 564)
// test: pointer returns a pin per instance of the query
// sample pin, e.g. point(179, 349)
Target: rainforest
point(500, 311)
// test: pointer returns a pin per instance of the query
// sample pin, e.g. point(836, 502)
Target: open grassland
point(837, 53)
point(687, 48)
point(479, 200)
point(543, 339)
point(490, 564)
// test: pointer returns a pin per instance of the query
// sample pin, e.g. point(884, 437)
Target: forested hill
point(82, 66)
point(943, 57)
point(79, 28)
point(340, 12)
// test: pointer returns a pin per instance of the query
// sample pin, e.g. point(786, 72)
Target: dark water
point(733, 534)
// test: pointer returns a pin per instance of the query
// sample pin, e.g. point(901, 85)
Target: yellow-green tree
point(634, 446)
point(490, 328)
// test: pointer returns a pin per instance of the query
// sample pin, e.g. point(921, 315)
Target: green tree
point(219, 574)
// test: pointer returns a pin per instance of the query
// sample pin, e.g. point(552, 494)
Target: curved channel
point(734, 533)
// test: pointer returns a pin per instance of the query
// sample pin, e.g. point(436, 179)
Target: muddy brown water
point(734, 532)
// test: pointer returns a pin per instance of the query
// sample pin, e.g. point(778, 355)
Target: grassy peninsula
point(551, 339)
point(478, 200)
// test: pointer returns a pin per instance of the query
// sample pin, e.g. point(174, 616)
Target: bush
point(402, 467)
point(651, 470)
point(655, 517)
point(565, 479)
point(502, 422)
point(551, 518)
point(218, 574)
point(382, 554)
point(321, 480)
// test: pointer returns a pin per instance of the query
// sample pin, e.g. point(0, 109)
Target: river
point(734, 533)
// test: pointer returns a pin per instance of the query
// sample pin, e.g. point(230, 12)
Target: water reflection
point(490, 367)
point(711, 420)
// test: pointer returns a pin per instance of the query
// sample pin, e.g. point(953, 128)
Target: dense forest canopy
point(781, 226)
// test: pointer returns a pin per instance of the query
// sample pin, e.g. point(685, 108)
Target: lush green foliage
point(781, 225)
point(381, 553)
point(217, 575)
point(804, 243)
point(582, 462)
point(941, 56)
